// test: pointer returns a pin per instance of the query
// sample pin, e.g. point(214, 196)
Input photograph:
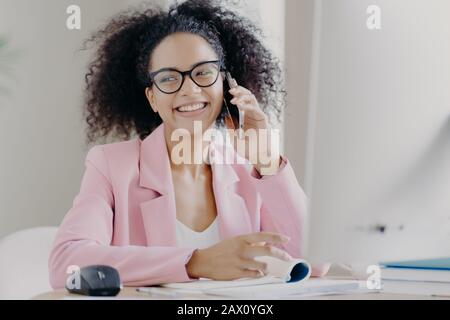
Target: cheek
point(164, 103)
point(216, 94)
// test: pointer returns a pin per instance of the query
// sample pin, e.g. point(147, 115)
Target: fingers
point(245, 102)
point(258, 243)
point(255, 265)
point(267, 250)
point(243, 99)
point(249, 104)
point(242, 96)
point(245, 107)
point(251, 274)
point(268, 237)
point(239, 90)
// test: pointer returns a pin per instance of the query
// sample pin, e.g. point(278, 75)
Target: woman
point(159, 220)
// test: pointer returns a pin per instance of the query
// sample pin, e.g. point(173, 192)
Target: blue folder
point(433, 264)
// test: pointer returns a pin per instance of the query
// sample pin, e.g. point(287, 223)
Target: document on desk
point(284, 278)
point(265, 288)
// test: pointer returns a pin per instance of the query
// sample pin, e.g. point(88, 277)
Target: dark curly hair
point(116, 104)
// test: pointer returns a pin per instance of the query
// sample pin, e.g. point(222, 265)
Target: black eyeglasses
point(170, 80)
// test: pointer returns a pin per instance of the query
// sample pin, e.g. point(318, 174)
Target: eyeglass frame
point(187, 73)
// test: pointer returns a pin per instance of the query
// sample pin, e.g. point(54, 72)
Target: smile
point(192, 111)
point(191, 108)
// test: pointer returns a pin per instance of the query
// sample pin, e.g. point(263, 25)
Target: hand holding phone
point(233, 84)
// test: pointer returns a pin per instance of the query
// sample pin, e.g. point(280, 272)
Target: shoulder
point(117, 154)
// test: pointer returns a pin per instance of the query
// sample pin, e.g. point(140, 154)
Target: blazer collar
point(154, 162)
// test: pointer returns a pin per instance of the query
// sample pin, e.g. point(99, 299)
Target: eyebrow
point(192, 66)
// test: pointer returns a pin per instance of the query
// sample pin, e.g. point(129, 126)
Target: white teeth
point(192, 107)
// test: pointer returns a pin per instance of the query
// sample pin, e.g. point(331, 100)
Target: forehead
point(181, 51)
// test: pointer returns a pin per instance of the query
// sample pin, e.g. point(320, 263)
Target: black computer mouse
point(97, 280)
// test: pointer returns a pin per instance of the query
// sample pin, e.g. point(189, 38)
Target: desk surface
point(334, 274)
point(131, 293)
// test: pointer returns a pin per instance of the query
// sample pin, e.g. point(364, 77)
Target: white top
point(188, 238)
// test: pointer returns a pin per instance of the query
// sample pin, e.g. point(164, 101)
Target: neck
point(186, 154)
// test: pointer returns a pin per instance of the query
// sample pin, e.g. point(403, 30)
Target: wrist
point(271, 168)
point(193, 267)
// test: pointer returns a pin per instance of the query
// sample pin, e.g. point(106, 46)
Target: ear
point(151, 98)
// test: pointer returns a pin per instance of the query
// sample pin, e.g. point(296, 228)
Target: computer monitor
point(378, 159)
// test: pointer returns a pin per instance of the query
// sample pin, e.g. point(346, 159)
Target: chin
point(196, 125)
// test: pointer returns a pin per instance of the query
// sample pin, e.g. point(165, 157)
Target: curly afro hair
point(116, 105)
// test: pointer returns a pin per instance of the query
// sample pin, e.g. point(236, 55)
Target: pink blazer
point(124, 215)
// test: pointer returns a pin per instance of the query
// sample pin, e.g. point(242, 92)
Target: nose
point(189, 86)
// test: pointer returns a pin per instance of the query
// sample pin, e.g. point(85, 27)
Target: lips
point(191, 107)
point(191, 110)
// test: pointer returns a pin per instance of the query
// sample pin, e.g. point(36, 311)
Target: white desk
point(131, 293)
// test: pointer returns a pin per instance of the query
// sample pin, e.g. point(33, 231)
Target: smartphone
point(234, 115)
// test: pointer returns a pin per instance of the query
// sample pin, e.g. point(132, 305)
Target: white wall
point(298, 50)
point(382, 130)
point(42, 140)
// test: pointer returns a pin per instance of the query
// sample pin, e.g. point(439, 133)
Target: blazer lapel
point(159, 213)
point(232, 210)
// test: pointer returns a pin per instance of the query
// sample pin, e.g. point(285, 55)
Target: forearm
point(137, 265)
point(283, 206)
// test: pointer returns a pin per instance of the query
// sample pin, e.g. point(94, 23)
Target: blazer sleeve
point(85, 235)
point(284, 209)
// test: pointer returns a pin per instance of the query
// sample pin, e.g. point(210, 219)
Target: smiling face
point(182, 51)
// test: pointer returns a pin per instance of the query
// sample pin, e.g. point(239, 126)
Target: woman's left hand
point(255, 125)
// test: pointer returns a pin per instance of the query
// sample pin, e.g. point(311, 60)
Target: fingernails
point(285, 238)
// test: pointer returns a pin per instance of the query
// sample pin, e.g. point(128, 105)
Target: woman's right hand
point(233, 258)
